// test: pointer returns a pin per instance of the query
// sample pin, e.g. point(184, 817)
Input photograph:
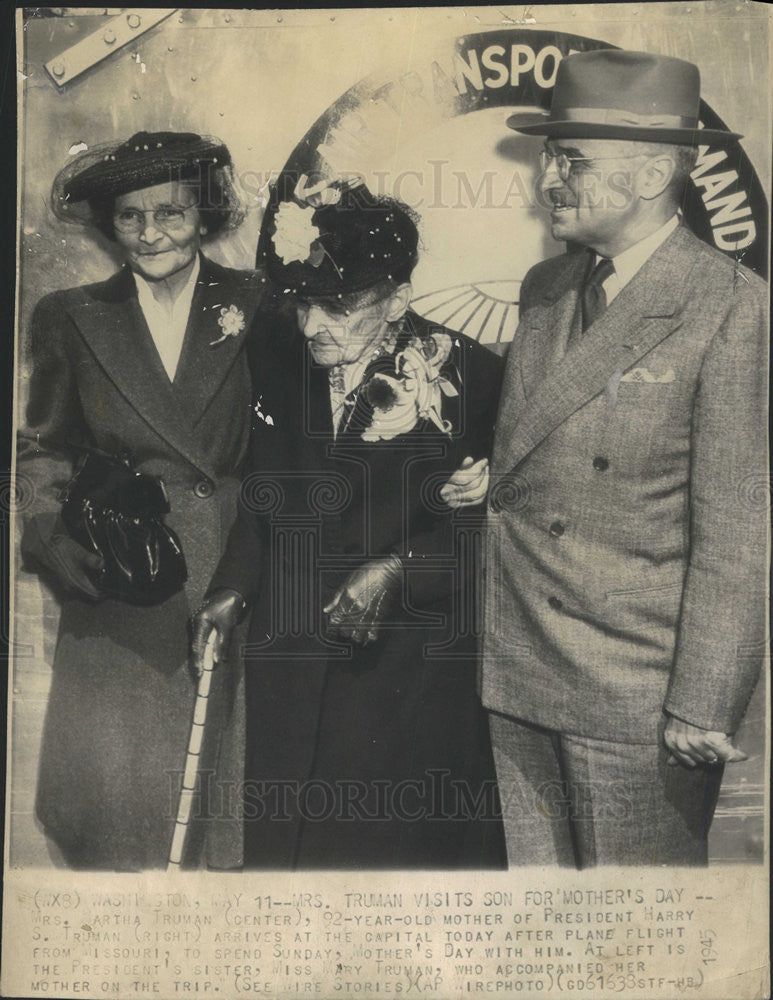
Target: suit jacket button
point(555, 603)
point(600, 464)
point(556, 529)
point(204, 489)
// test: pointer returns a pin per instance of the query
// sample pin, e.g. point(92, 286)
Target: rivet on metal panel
point(58, 69)
point(109, 37)
point(134, 20)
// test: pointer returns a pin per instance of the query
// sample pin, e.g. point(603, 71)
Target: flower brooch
point(415, 391)
point(231, 322)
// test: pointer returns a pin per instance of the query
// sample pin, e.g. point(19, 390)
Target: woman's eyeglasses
point(565, 163)
point(167, 218)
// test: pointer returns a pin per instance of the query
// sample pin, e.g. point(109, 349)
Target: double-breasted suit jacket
point(121, 699)
point(627, 541)
point(380, 754)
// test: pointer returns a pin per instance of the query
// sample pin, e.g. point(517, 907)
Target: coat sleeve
point(240, 566)
point(721, 636)
point(481, 385)
point(54, 421)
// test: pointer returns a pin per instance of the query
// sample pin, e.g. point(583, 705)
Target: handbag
point(111, 509)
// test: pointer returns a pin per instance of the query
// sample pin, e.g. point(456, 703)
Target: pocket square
point(645, 375)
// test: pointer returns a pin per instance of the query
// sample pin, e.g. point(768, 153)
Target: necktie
point(594, 299)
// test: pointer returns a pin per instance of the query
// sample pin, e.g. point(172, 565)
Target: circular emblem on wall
point(435, 137)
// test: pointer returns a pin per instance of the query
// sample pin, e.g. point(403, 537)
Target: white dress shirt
point(167, 326)
point(633, 259)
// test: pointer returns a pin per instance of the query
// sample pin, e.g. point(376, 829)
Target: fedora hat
point(616, 94)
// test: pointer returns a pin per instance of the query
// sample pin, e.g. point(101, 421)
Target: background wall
point(259, 80)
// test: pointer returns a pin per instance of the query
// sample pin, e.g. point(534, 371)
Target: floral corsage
point(231, 322)
point(414, 393)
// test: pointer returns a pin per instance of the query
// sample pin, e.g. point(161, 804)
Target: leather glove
point(47, 545)
point(361, 604)
point(221, 612)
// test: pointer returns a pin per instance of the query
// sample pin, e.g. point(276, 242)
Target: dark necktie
point(594, 299)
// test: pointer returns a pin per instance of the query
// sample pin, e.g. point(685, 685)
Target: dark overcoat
point(376, 756)
point(121, 699)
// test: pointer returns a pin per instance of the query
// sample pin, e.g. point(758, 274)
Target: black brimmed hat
point(615, 94)
point(336, 249)
point(147, 158)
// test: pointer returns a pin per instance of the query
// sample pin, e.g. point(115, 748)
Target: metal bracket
point(113, 35)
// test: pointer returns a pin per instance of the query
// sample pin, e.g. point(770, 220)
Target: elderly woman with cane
point(143, 378)
point(366, 742)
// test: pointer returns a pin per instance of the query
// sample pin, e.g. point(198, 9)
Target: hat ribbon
point(618, 116)
point(326, 192)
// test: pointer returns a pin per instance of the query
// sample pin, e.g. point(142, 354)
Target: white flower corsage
point(414, 392)
point(294, 233)
point(231, 322)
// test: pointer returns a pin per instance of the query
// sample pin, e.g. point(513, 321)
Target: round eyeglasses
point(565, 163)
point(167, 218)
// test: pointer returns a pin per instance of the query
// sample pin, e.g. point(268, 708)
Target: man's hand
point(468, 485)
point(690, 745)
point(360, 605)
point(221, 611)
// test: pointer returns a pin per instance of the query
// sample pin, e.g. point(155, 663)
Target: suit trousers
point(574, 801)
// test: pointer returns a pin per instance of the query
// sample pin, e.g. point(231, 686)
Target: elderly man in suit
point(626, 573)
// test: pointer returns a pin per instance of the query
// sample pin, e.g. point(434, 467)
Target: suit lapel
point(205, 362)
point(546, 332)
point(645, 312)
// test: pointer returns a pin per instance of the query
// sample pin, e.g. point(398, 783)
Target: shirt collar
point(631, 260)
point(145, 292)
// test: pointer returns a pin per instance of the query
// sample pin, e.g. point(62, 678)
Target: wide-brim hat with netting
point(617, 94)
point(341, 240)
point(114, 168)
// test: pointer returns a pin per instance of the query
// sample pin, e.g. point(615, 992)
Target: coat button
point(556, 529)
point(555, 603)
point(204, 489)
point(600, 464)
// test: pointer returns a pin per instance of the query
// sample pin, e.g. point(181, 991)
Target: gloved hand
point(47, 545)
point(361, 604)
point(221, 611)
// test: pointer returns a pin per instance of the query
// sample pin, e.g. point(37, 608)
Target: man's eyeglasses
point(565, 163)
point(167, 218)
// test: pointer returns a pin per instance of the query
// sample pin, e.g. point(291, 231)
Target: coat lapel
point(204, 362)
point(645, 312)
point(113, 326)
point(545, 333)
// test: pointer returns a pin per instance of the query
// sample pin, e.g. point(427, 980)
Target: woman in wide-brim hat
point(151, 360)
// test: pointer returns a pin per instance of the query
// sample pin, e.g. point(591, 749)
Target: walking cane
point(192, 759)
